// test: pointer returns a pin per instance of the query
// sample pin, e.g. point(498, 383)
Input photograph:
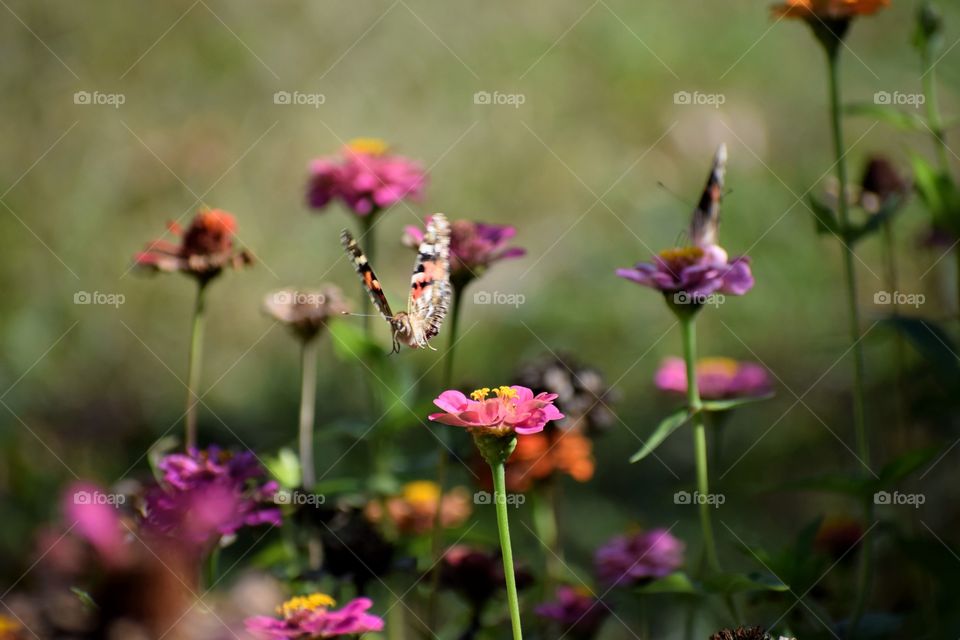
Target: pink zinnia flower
point(512, 410)
point(640, 557)
point(311, 617)
point(474, 246)
point(365, 177)
point(694, 271)
point(92, 513)
point(717, 378)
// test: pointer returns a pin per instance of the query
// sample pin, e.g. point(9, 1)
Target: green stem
point(503, 526)
point(308, 401)
point(443, 464)
point(853, 312)
point(694, 404)
point(934, 120)
point(193, 367)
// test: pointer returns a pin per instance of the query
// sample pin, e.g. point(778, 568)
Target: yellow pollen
point(421, 492)
point(311, 602)
point(505, 392)
point(723, 366)
point(480, 394)
point(369, 146)
point(683, 255)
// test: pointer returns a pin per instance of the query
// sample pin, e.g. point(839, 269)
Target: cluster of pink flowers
point(365, 177)
point(210, 493)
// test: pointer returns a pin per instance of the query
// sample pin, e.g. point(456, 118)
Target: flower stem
point(308, 401)
point(934, 120)
point(500, 498)
point(863, 445)
point(193, 367)
point(443, 464)
point(694, 404)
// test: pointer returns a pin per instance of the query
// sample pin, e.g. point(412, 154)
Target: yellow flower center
point(480, 394)
point(505, 392)
point(421, 492)
point(682, 255)
point(368, 146)
point(714, 366)
point(311, 602)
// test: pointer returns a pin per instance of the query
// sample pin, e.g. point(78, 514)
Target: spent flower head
point(365, 177)
point(306, 311)
point(206, 247)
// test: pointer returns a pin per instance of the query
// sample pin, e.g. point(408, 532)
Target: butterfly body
point(430, 289)
point(706, 217)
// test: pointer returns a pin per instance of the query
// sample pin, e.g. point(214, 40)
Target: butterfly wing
point(430, 289)
point(367, 276)
point(706, 218)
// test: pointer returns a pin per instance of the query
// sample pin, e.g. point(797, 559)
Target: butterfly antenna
point(364, 315)
point(673, 193)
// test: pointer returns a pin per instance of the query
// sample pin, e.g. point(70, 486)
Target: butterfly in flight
point(706, 217)
point(430, 289)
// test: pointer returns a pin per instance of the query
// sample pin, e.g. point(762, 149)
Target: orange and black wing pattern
point(367, 276)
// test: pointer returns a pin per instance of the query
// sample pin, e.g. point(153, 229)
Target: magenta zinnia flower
point(577, 611)
point(208, 494)
point(512, 410)
point(695, 271)
point(717, 378)
point(474, 246)
point(632, 559)
point(311, 618)
point(365, 177)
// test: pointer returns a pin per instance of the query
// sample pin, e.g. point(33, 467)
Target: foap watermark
point(498, 297)
point(698, 98)
point(712, 499)
point(98, 497)
point(99, 298)
point(299, 498)
point(900, 499)
point(101, 99)
point(511, 499)
point(699, 299)
point(304, 298)
point(496, 98)
point(899, 298)
point(899, 98)
point(299, 98)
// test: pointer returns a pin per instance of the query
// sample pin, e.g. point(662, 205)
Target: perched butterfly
point(430, 289)
point(706, 217)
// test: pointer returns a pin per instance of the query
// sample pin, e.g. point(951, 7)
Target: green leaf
point(730, 583)
point(840, 483)
point(931, 342)
point(85, 598)
point(875, 222)
point(724, 405)
point(939, 194)
point(904, 120)
point(825, 220)
point(678, 582)
point(669, 424)
point(905, 465)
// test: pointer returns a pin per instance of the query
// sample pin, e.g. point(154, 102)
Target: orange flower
point(541, 455)
point(414, 510)
point(828, 9)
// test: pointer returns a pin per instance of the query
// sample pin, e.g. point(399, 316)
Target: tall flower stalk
point(495, 423)
point(830, 20)
point(205, 249)
point(194, 361)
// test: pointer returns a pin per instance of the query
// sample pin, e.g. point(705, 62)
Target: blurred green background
point(86, 389)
